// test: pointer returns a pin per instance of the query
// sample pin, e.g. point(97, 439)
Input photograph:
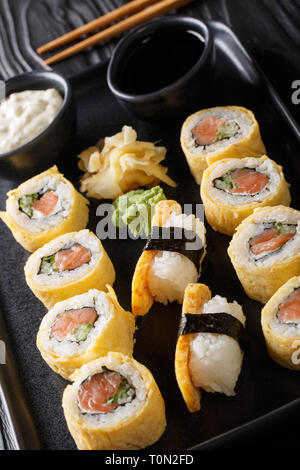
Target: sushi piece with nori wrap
point(68, 265)
point(43, 208)
point(280, 321)
point(216, 133)
point(83, 328)
point(232, 188)
point(114, 404)
point(172, 258)
point(208, 352)
point(265, 250)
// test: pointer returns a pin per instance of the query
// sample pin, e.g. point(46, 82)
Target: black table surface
point(269, 29)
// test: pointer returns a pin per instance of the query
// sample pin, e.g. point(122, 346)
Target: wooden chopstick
point(115, 15)
point(149, 13)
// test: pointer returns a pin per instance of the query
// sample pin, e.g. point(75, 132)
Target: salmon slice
point(205, 133)
point(76, 256)
point(269, 240)
point(248, 181)
point(96, 390)
point(69, 320)
point(289, 311)
point(46, 203)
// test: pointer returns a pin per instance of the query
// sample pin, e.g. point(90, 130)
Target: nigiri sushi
point(208, 353)
point(168, 264)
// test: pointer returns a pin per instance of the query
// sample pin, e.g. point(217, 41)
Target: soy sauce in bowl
point(160, 60)
point(163, 68)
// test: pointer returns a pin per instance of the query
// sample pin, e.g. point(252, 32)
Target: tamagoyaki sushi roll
point(171, 258)
point(83, 328)
point(68, 265)
point(280, 321)
point(114, 404)
point(232, 188)
point(217, 133)
point(208, 353)
point(265, 250)
point(43, 208)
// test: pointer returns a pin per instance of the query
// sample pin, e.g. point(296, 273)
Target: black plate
point(263, 386)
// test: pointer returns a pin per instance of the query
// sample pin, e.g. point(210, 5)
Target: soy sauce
point(160, 60)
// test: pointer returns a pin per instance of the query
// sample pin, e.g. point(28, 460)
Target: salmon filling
point(289, 311)
point(43, 203)
point(74, 324)
point(46, 203)
point(66, 259)
point(272, 239)
point(244, 181)
point(72, 258)
point(211, 129)
point(104, 392)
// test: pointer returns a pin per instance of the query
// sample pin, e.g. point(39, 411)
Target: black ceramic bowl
point(44, 150)
point(190, 66)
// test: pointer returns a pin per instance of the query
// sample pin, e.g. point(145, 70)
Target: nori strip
point(175, 239)
point(220, 323)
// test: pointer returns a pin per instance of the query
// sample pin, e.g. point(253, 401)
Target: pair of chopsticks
point(141, 11)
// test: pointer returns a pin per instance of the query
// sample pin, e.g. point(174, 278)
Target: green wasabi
point(135, 209)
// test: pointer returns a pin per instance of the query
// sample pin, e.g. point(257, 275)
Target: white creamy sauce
point(24, 115)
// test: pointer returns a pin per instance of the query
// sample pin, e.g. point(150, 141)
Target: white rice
point(94, 299)
point(169, 275)
point(263, 165)
point(122, 412)
point(285, 329)
point(240, 249)
point(215, 359)
point(241, 118)
point(85, 238)
point(39, 222)
point(171, 272)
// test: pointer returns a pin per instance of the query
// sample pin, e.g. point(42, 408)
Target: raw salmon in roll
point(83, 328)
point(280, 320)
point(232, 188)
point(172, 258)
point(68, 265)
point(114, 404)
point(221, 132)
point(43, 208)
point(208, 353)
point(265, 250)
